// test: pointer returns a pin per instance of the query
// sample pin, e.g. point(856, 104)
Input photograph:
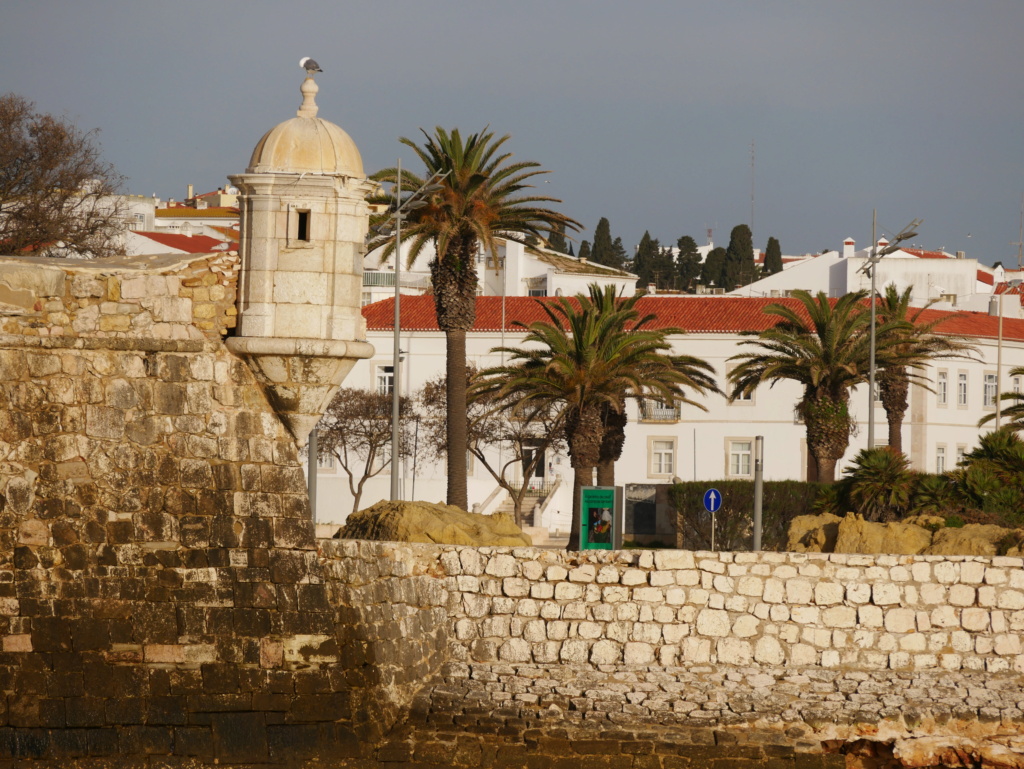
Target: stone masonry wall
point(675, 607)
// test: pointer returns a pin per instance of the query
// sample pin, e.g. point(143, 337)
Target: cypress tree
point(645, 264)
point(585, 250)
point(688, 265)
point(739, 261)
point(556, 239)
point(773, 257)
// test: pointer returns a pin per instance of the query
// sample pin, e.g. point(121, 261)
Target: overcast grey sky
point(644, 111)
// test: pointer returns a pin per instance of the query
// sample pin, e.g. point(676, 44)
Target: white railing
point(658, 412)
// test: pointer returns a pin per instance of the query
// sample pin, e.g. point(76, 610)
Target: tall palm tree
point(823, 347)
point(480, 198)
point(914, 343)
point(590, 356)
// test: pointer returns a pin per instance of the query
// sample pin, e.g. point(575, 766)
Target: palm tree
point(1014, 413)
point(913, 344)
point(825, 349)
point(878, 484)
point(590, 356)
point(479, 199)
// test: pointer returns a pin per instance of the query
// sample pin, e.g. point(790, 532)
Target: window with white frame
point(744, 399)
point(940, 459)
point(325, 463)
point(942, 388)
point(990, 391)
point(961, 389)
point(961, 452)
point(385, 379)
point(662, 456)
point(741, 454)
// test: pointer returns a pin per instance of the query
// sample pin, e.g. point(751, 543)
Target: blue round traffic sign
point(712, 500)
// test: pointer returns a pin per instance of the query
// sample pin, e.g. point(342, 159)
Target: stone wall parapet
point(679, 608)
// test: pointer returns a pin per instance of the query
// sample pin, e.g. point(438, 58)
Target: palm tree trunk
point(893, 388)
point(606, 473)
point(455, 370)
point(612, 441)
point(828, 433)
point(577, 500)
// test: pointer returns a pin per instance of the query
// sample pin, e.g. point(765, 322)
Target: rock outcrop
point(921, 535)
point(432, 523)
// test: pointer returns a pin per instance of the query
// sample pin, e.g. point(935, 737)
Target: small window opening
point(303, 233)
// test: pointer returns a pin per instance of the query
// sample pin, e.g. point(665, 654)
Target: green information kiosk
point(601, 518)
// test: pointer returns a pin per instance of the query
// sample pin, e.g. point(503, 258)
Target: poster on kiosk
point(601, 518)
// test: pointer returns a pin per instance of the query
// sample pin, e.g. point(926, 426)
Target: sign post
point(601, 518)
point(712, 503)
point(758, 488)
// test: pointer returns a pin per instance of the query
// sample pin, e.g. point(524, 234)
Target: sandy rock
point(972, 539)
point(813, 533)
point(859, 536)
point(432, 523)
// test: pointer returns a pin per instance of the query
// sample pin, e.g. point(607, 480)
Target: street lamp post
point(402, 208)
point(872, 264)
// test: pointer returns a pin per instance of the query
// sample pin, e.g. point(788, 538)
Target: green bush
point(782, 501)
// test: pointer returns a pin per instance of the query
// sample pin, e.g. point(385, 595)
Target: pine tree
point(584, 251)
point(773, 257)
point(619, 255)
point(601, 248)
point(687, 262)
point(739, 268)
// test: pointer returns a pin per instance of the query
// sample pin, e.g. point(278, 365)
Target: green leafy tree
point(913, 343)
point(619, 254)
point(582, 361)
point(991, 478)
point(739, 268)
point(825, 349)
point(772, 257)
point(481, 196)
point(712, 270)
point(688, 266)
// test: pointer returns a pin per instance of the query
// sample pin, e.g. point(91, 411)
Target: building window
point(1016, 385)
point(961, 453)
point(538, 292)
point(303, 226)
point(745, 399)
point(961, 389)
point(663, 456)
point(325, 463)
point(740, 458)
point(942, 388)
point(990, 391)
point(385, 379)
point(940, 459)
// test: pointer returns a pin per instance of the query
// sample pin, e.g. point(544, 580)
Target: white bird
point(309, 65)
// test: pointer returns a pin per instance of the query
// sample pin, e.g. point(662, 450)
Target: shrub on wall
point(782, 501)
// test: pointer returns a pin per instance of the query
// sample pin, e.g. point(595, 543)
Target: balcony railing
point(659, 412)
point(371, 278)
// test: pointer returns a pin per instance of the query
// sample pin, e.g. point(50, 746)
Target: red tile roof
point(194, 244)
point(922, 254)
point(694, 314)
point(985, 277)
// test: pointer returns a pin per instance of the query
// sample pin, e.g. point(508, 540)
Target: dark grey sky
point(644, 111)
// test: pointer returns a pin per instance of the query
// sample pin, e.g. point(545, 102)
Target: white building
point(951, 280)
point(518, 271)
point(688, 443)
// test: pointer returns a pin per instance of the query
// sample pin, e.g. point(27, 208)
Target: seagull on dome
point(309, 65)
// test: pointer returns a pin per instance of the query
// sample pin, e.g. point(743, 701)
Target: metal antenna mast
point(1020, 237)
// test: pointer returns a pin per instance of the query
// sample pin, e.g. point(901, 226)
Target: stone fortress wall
point(164, 602)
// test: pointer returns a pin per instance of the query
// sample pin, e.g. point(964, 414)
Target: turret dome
point(307, 144)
